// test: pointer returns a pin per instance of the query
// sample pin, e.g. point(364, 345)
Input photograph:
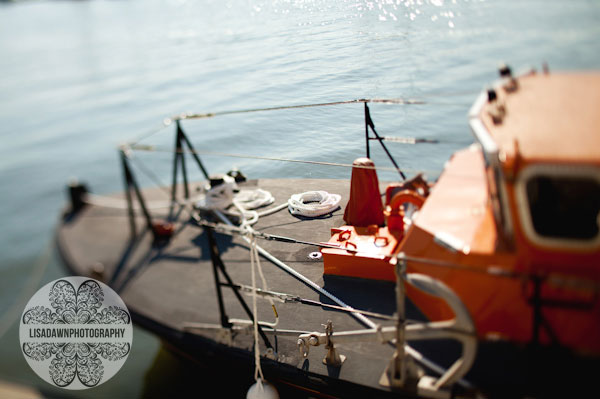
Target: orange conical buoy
point(364, 206)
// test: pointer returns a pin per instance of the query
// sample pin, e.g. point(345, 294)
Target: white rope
point(219, 197)
point(226, 194)
point(313, 203)
point(308, 204)
point(258, 374)
point(273, 210)
point(253, 199)
point(245, 201)
point(255, 263)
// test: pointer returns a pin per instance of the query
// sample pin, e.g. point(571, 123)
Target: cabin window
point(561, 205)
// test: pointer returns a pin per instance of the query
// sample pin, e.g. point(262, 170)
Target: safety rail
point(182, 141)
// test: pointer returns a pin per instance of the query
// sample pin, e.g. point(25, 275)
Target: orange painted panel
point(372, 251)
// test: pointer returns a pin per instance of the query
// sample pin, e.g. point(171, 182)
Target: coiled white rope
point(253, 199)
point(219, 197)
point(313, 203)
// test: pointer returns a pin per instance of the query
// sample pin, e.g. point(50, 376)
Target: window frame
point(523, 206)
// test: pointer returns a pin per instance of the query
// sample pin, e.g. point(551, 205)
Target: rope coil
point(218, 197)
point(313, 203)
point(252, 199)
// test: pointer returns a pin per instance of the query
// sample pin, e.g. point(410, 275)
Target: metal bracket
point(306, 340)
point(333, 358)
point(398, 373)
point(392, 377)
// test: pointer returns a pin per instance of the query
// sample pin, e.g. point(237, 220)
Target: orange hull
point(496, 284)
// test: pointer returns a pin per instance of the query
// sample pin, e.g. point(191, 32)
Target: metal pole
point(131, 182)
point(127, 181)
point(399, 356)
point(176, 162)
point(193, 151)
point(214, 254)
point(367, 118)
point(183, 168)
point(369, 122)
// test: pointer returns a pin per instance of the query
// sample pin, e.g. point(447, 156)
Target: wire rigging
point(191, 115)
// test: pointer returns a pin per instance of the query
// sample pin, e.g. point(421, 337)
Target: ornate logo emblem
point(76, 333)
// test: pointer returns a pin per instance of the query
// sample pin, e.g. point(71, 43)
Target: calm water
point(78, 78)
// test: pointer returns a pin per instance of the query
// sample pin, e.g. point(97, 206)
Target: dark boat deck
point(167, 286)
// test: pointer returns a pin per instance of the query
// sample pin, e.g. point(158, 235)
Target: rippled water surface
point(77, 78)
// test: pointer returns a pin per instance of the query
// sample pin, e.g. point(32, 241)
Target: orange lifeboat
point(512, 225)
